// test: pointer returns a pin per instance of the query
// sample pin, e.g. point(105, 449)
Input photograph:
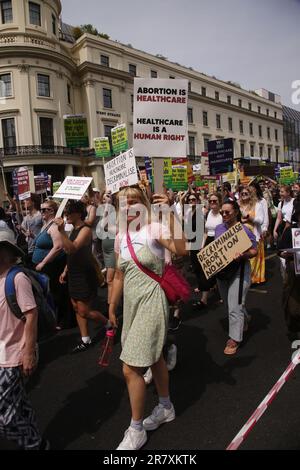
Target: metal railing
point(30, 150)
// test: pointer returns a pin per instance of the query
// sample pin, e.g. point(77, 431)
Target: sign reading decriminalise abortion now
point(160, 117)
point(120, 172)
point(73, 187)
point(221, 252)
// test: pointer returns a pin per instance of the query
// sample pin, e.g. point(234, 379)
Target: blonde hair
point(135, 192)
point(51, 204)
point(253, 196)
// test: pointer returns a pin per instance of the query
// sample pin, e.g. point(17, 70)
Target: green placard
point(179, 178)
point(119, 139)
point(76, 131)
point(102, 147)
point(168, 172)
point(55, 186)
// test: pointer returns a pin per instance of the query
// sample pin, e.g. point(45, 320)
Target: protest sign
point(56, 185)
point(120, 172)
point(15, 182)
point(40, 184)
point(23, 183)
point(102, 147)
point(168, 173)
point(160, 117)
point(205, 165)
point(221, 252)
point(119, 139)
point(286, 175)
point(76, 131)
point(148, 168)
point(220, 153)
point(179, 178)
point(296, 244)
point(73, 187)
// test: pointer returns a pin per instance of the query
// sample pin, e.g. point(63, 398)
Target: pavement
point(83, 407)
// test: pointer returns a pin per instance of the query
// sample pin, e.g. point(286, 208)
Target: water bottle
point(106, 348)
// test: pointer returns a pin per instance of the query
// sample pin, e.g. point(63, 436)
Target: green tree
point(78, 31)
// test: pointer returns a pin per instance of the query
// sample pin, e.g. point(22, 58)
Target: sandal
point(231, 347)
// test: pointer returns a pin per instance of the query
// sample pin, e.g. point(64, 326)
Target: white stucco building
point(45, 74)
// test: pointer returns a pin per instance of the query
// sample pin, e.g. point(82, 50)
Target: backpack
point(41, 291)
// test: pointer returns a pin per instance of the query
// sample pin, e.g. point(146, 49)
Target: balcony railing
point(31, 150)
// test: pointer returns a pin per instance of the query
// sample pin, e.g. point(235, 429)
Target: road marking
point(271, 256)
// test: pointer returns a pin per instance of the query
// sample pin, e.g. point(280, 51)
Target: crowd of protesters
point(89, 240)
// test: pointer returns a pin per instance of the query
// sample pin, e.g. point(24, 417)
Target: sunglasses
point(193, 199)
point(225, 212)
point(245, 194)
point(46, 209)
point(213, 200)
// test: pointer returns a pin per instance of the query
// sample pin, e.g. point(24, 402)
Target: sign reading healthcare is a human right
point(160, 117)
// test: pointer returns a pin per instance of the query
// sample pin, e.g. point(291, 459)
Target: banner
point(119, 139)
point(160, 117)
point(76, 131)
point(220, 153)
point(73, 187)
point(23, 183)
point(102, 147)
point(120, 172)
point(221, 252)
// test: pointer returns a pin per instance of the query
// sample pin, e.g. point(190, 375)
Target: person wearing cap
point(18, 358)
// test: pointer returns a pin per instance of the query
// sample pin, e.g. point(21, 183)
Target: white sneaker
point(159, 415)
point(172, 357)
point(148, 376)
point(133, 439)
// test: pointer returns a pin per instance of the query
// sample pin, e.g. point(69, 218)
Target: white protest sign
point(218, 254)
point(73, 187)
point(160, 117)
point(205, 165)
point(296, 244)
point(121, 171)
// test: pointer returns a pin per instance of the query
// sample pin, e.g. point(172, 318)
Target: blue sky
point(253, 42)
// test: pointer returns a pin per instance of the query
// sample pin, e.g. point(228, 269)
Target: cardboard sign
point(160, 117)
point(296, 244)
point(119, 139)
point(121, 172)
point(73, 187)
point(23, 183)
point(220, 153)
point(76, 131)
point(102, 147)
point(219, 253)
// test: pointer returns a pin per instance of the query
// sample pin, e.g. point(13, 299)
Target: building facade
point(291, 137)
point(46, 74)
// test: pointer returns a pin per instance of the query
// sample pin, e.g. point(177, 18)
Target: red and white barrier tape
point(241, 436)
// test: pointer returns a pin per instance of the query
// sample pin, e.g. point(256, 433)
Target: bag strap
point(10, 292)
point(139, 265)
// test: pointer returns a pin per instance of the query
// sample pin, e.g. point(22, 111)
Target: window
point(69, 93)
point(132, 101)
point(269, 153)
point(205, 118)
point(104, 60)
point(277, 155)
point(260, 131)
point(46, 129)
point(250, 106)
point(261, 151)
point(275, 116)
point(107, 99)
point(241, 127)
point(5, 85)
point(217, 95)
point(190, 115)
point(250, 128)
point(9, 133)
point(6, 12)
point(268, 132)
point(203, 91)
point(189, 86)
point(242, 150)
point(230, 124)
point(259, 109)
point(132, 70)
point(34, 13)
point(192, 145)
point(218, 121)
point(43, 85)
point(54, 25)
point(153, 74)
point(268, 112)
point(228, 99)
point(276, 134)
point(240, 103)
point(107, 133)
point(171, 77)
point(252, 150)
point(206, 140)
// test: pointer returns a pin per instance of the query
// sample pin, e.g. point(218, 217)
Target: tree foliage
point(78, 31)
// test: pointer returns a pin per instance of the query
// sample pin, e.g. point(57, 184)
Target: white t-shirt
point(287, 209)
point(211, 223)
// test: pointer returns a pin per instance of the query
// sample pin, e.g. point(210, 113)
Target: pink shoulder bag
point(172, 282)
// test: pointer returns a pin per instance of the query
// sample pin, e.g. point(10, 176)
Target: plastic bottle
point(106, 348)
